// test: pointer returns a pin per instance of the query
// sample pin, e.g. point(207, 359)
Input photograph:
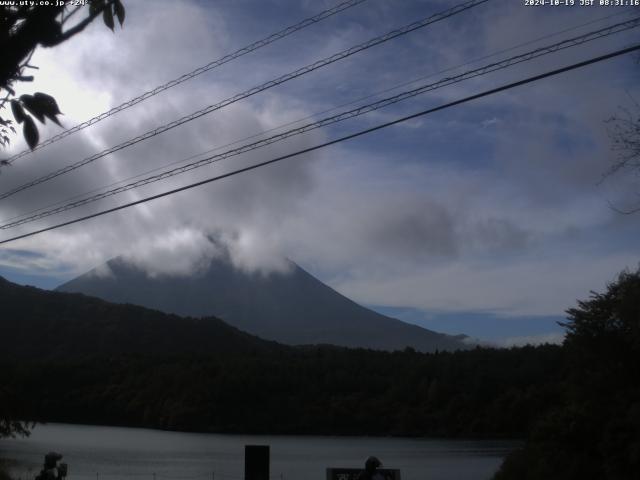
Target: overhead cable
point(509, 62)
point(194, 73)
point(486, 93)
point(317, 114)
point(253, 91)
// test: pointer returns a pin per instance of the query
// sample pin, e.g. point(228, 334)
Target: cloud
point(181, 251)
point(167, 236)
point(491, 206)
point(28, 261)
point(521, 341)
point(533, 285)
point(489, 122)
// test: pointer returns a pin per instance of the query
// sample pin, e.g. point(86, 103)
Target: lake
point(113, 453)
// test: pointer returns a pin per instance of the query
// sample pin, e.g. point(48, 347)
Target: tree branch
point(78, 27)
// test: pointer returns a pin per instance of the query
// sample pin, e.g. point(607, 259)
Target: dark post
point(256, 462)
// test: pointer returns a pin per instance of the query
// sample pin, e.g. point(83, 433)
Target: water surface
point(113, 453)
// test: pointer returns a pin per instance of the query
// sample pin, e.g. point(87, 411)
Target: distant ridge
point(43, 325)
point(292, 308)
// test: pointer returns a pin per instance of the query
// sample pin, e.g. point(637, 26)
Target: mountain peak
point(293, 307)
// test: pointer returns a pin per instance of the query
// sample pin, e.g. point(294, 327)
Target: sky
point(490, 218)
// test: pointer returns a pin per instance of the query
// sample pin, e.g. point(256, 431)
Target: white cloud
point(491, 206)
point(490, 122)
point(521, 341)
point(532, 285)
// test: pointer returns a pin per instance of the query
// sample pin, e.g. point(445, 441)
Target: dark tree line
point(315, 390)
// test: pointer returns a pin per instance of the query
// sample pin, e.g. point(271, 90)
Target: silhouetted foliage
point(594, 433)
point(9, 427)
point(24, 27)
point(321, 390)
point(9, 402)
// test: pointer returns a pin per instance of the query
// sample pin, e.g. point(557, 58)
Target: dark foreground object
point(593, 433)
point(256, 462)
point(53, 468)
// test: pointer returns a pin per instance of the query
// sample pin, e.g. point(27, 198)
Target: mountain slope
point(293, 308)
point(72, 358)
point(40, 324)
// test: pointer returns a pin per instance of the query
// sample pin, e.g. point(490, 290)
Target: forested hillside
point(320, 390)
point(577, 404)
point(68, 357)
point(43, 325)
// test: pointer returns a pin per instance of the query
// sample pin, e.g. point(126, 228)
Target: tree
point(22, 29)
point(624, 132)
point(9, 427)
point(607, 326)
point(12, 428)
point(595, 432)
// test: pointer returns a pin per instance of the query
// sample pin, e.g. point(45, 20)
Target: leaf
point(48, 106)
point(30, 132)
point(107, 16)
point(119, 9)
point(18, 112)
point(32, 105)
point(48, 102)
point(95, 6)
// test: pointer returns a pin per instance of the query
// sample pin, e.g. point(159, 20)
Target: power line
point(317, 114)
point(253, 91)
point(334, 108)
point(314, 115)
point(194, 73)
point(333, 142)
point(515, 60)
